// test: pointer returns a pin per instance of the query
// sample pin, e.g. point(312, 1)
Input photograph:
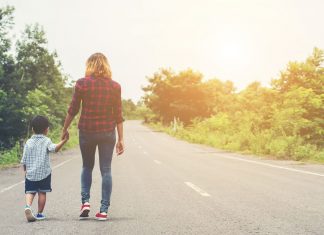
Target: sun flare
point(232, 52)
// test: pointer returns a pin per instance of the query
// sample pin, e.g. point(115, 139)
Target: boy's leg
point(28, 211)
point(29, 198)
point(41, 201)
point(44, 187)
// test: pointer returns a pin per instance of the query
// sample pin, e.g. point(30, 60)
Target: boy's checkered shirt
point(36, 157)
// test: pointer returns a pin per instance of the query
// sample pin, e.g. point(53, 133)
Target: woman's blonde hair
point(97, 66)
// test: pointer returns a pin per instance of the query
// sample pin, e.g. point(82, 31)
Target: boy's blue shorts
point(42, 186)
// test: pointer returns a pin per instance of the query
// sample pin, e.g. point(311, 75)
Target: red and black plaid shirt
point(101, 104)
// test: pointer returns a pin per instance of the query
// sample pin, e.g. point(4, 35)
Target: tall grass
point(219, 132)
point(10, 157)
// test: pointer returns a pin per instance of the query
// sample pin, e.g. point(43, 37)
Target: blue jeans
point(88, 144)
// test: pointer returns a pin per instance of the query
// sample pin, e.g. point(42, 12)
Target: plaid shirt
point(36, 157)
point(101, 104)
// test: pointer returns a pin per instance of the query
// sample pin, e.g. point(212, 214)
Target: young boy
point(37, 167)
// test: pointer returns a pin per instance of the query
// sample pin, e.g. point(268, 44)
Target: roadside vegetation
point(32, 83)
point(132, 111)
point(283, 120)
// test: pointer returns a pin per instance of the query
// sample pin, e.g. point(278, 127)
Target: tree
point(220, 96)
point(31, 81)
point(128, 108)
point(301, 100)
point(9, 107)
point(180, 95)
point(308, 74)
point(6, 23)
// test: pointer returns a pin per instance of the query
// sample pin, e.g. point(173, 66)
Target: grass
point(10, 157)
point(267, 146)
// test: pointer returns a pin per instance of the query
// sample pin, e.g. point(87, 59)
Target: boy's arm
point(23, 159)
point(24, 168)
point(60, 145)
point(56, 147)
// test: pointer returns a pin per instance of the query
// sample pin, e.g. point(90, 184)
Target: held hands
point(65, 135)
point(120, 147)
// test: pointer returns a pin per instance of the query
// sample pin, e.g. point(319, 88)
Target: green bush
point(267, 142)
point(284, 120)
point(304, 152)
point(10, 157)
point(318, 157)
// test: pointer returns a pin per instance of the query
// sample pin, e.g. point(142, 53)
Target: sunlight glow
point(232, 52)
point(232, 49)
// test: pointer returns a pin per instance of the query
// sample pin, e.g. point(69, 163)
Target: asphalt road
point(162, 185)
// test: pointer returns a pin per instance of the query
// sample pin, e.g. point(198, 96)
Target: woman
point(101, 113)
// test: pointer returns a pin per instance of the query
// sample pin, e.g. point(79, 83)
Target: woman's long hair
point(97, 66)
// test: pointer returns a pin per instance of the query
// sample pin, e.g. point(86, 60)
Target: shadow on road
point(109, 219)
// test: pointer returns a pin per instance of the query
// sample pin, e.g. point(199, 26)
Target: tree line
point(31, 80)
point(283, 120)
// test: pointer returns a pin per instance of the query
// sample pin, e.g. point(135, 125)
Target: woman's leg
point(106, 149)
point(88, 150)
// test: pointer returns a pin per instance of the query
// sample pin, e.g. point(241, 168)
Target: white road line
point(197, 189)
point(62, 163)
point(12, 186)
point(273, 166)
point(157, 162)
point(21, 182)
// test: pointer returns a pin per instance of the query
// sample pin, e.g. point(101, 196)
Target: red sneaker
point(85, 209)
point(101, 216)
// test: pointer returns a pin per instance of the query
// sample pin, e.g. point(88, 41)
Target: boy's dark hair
point(39, 124)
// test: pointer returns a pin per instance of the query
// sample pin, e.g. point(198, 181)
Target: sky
point(238, 40)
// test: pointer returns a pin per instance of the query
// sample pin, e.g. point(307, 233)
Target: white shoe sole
point(29, 215)
point(101, 219)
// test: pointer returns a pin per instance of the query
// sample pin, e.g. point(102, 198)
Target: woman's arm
point(120, 146)
point(62, 142)
point(73, 109)
point(68, 119)
point(120, 143)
